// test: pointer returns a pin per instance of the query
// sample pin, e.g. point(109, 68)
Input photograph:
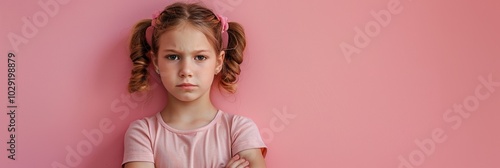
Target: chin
point(187, 98)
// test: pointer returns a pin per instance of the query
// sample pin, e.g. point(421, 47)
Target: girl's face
point(187, 63)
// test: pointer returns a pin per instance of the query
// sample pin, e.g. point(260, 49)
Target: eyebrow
point(176, 51)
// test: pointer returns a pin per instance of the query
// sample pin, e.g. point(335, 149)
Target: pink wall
point(349, 84)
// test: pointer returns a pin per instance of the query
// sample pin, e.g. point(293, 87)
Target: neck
point(176, 109)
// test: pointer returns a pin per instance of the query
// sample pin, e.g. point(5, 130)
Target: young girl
point(189, 47)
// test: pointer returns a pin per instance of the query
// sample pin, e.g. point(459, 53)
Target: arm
point(247, 143)
point(254, 157)
point(139, 165)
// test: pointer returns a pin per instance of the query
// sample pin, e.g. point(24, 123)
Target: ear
point(220, 61)
point(154, 59)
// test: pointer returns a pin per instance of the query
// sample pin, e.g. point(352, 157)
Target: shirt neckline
point(174, 130)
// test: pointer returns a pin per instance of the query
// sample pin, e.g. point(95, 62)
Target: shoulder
point(236, 119)
point(239, 124)
point(143, 125)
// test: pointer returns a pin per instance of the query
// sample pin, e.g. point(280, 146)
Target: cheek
point(166, 66)
point(207, 72)
point(212, 68)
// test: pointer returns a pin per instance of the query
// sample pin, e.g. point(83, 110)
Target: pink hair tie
point(154, 17)
point(150, 29)
point(223, 21)
point(225, 27)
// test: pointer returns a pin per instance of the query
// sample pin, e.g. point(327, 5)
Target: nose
point(185, 69)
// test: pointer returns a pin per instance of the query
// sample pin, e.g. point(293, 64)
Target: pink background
point(315, 107)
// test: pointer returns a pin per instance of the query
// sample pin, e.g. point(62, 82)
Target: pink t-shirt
point(151, 140)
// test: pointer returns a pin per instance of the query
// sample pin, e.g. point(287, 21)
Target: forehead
point(184, 37)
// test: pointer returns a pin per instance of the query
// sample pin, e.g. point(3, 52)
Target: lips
point(186, 86)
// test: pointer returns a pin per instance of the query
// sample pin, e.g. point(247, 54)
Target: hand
point(237, 162)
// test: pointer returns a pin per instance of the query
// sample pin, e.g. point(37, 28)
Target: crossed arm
point(251, 158)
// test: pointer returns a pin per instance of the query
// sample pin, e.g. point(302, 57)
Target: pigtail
point(234, 57)
point(139, 49)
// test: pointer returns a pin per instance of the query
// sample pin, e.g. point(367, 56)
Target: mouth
point(186, 85)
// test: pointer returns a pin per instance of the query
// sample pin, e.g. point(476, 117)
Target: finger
point(244, 164)
point(233, 159)
point(240, 163)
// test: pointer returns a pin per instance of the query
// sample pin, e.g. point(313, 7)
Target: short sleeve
point(245, 135)
point(137, 143)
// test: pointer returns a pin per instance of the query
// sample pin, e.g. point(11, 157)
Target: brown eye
point(172, 57)
point(200, 57)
